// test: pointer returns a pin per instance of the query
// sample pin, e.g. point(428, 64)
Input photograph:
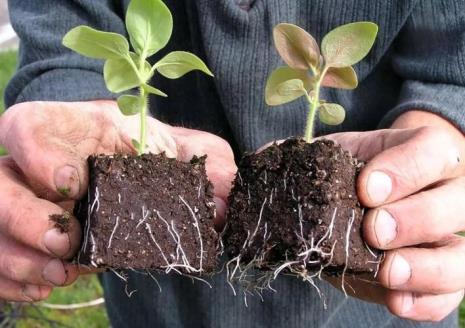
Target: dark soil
point(298, 188)
point(147, 212)
point(61, 221)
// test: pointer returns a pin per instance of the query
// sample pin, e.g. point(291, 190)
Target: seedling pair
point(302, 209)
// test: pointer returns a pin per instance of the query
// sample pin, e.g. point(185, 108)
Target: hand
point(49, 144)
point(414, 184)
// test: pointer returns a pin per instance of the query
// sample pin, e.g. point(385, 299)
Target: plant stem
point(313, 106)
point(143, 121)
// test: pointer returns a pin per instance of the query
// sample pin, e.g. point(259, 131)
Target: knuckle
point(13, 217)
point(10, 269)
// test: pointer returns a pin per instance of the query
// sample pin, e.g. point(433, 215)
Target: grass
point(87, 288)
point(7, 67)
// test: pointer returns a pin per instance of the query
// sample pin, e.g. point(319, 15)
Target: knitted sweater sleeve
point(429, 55)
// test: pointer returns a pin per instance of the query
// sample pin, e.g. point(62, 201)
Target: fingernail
point(67, 181)
point(31, 293)
point(400, 271)
point(385, 228)
point(379, 187)
point(407, 302)
point(57, 242)
point(54, 273)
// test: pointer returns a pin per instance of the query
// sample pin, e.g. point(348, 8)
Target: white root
point(349, 228)
point(197, 226)
point(90, 210)
point(240, 178)
point(113, 232)
point(119, 275)
point(154, 279)
point(237, 271)
point(200, 189)
point(129, 293)
point(93, 250)
point(258, 223)
point(149, 230)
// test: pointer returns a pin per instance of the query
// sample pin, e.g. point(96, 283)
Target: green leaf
point(296, 47)
point(177, 63)
point(130, 105)
point(120, 75)
point(135, 143)
point(291, 88)
point(340, 78)
point(3, 151)
point(348, 44)
point(154, 91)
point(96, 44)
point(146, 73)
point(149, 24)
point(331, 114)
point(278, 89)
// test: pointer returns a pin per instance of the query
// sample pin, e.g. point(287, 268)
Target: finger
point(421, 218)
point(27, 266)
point(426, 270)
point(423, 307)
point(220, 165)
point(366, 145)
point(360, 286)
point(26, 218)
point(219, 220)
point(428, 157)
point(15, 292)
point(56, 140)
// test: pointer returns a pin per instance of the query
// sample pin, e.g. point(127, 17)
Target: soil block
point(148, 212)
point(294, 208)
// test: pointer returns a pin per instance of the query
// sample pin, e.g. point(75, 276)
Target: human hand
point(414, 184)
point(49, 143)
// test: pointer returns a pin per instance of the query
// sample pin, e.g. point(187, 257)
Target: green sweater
point(418, 62)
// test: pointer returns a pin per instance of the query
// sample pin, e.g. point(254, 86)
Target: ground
point(87, 288)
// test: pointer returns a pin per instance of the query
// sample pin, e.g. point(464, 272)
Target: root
point(113, 232)
point(129, 293)
point(119, 275)
point(149, 230)
point(154, 279)
point(349, 228)
point(197, 226)
point(90, 210)
point(199, 190)
point(251, 280)
point(258, 222)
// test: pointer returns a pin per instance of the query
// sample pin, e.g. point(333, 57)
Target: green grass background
point(86, 288)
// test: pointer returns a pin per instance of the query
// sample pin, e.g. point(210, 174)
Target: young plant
point(149, 24)
point(308, 69)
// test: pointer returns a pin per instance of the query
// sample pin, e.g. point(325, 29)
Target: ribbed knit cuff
point(445, 100)
point(66, 85)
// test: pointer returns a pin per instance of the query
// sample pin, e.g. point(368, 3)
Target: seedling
point(144, 212)
point(308, 69)
point(293, 208)
point(149, 24)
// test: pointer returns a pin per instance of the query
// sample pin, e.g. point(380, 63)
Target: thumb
point(52, 165)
